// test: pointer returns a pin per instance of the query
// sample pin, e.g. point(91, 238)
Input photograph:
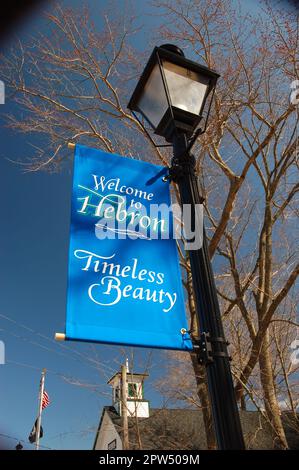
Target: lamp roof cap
point(172, 48)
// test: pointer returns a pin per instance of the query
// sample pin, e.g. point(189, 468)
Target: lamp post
point(174, 96)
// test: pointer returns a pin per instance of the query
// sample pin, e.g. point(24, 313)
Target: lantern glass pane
point(187, 89)
point(153, 101)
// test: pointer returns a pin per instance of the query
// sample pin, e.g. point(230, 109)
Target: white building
point(110, 428)
point(170, 429)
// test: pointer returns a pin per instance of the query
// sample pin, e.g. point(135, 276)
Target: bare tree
point(250, 148)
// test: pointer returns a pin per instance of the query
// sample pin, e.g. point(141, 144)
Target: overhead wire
point(98, 366)
point(68, 379)
point(22, 440)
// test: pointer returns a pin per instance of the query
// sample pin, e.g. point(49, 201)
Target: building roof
point(170, 429)
point(128, 375)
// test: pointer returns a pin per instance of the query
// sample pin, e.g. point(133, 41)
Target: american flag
point(46, 400)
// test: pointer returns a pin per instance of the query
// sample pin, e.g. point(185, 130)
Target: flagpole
point(40, 408)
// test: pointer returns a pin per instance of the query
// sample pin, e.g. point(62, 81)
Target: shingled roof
point(170, 429)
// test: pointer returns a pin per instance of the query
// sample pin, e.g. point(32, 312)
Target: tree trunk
point(270, 399)
point(203, 395)
point(243, 401)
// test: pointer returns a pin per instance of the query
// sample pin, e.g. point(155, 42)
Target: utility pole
point(124, 407)
point(40, 408)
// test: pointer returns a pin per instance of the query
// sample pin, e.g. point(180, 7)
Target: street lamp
point(174, 96)
point(172, 92)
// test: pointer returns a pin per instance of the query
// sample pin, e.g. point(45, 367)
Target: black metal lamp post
point(174, 96)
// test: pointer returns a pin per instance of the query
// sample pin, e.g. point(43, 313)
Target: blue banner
point(124, 280)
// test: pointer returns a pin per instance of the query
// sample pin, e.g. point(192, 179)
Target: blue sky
point(35, 214)
point(35, 210)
